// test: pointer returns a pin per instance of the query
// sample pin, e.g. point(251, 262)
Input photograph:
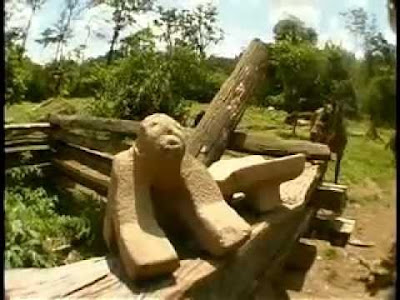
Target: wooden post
point(211, 135)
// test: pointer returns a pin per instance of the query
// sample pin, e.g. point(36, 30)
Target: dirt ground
point(336, 272)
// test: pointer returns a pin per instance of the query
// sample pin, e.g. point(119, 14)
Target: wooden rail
point(243, 142)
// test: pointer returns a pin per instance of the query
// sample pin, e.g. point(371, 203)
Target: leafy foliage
point(16, 74)
point(37, 234)
point(138, 85)
point(294, 30)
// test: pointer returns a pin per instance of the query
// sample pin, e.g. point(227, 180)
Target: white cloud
point(235, 41)
point(390, 36)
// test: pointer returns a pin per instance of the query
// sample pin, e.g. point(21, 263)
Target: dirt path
point(336, 272)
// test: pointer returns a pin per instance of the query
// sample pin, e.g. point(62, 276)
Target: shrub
point(38, 234)
point(138, 85)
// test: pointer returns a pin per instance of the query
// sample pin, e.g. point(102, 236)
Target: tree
point(35, 5)
point(294, 30)
point(124, 12)
point(59, 35)
point(195, 29)
point(299, 68)
point(378, 67)
point(199, 27)
point(338, 84)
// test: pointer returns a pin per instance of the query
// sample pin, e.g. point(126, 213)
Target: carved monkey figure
point(157, 185)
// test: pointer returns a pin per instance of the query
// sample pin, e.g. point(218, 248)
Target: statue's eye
point(152, 124)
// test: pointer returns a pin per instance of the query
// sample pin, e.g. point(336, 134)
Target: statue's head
point(161, 136)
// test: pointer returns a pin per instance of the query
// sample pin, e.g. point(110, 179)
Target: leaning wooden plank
point(210, 137)
point(200, 277)
point(100, 124)
point(257, 144)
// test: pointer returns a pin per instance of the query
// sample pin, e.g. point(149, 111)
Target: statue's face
point(163, 134)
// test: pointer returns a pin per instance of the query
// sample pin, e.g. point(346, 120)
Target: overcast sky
point(241, 20)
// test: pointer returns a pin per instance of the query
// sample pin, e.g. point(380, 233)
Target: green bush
point(38, 233)
point(139, 85)
point(16, 75)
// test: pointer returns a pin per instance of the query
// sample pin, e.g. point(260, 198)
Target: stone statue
point(157, 187)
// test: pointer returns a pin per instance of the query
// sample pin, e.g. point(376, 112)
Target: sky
point(241, 21)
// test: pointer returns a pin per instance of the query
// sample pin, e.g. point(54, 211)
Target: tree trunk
point(210, 137)
point(112, 45)
point(26, 33)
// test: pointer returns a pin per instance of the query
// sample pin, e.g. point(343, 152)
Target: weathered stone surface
point(257, 177)
point(155, 186)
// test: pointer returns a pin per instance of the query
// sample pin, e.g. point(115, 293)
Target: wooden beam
point(99, 124)
point(210, 137)
point(83, 175)
point(15, 131)
point(110, 144)
point(96, 160)
point(27, 155)
point(258, 144)
point(22, 126)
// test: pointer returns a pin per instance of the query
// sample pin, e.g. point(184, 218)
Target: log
point(210, 137)
point(99, 124)
point(239, 141)
point(257, 144)
point(13, 131)
point(83, 174)
point(96, 160)
point(27, 155)
point(111, 144)
point(197, 277)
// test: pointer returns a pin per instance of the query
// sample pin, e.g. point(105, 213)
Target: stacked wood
point(26, 144)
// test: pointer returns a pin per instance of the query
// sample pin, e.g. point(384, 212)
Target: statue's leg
point(144, 249)
point(216, 226)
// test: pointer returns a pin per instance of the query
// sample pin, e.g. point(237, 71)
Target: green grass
point(26, 112)
point(363, 160)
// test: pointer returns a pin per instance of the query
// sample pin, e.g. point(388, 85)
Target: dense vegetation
point(43, 229)
point(136, 78)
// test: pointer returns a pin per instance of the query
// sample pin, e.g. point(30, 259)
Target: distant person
point(328, 127)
